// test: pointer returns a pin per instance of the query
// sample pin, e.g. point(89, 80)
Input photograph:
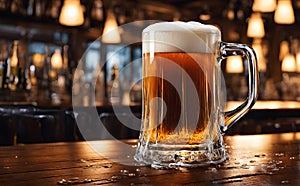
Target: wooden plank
point(254, 159)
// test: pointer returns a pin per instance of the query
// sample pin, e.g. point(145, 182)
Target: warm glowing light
point(256, 45)
point(52, 74)
point(56, 60)
point(284, 49)
point(71, 13)
point(38, 60)
point(284, 13)
point(255, 26)
point(234, 64)
point(14, 58)
point(204, 17)
point(259, 142)
point(264, 5)
point(289, 63)
point(111, 32)
point(298, 61)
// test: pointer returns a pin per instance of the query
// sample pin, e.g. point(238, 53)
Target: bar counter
point(268, 159)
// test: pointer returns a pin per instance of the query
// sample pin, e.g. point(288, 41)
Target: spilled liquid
point(240, 168)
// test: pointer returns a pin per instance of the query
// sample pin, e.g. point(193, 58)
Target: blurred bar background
point(42, 44)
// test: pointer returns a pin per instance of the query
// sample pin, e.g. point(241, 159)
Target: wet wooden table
point(270, 159)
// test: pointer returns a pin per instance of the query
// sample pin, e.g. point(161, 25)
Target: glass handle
point(229, 49)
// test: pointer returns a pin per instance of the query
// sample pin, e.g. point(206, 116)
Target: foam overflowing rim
point(182, 26)
point(180, 37)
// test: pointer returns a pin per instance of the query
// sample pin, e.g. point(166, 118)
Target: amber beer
point(184, 116)
point(184, 95)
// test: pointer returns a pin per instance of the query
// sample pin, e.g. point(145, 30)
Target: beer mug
point(183, 118)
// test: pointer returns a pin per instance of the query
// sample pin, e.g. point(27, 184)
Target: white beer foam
point(181, 37)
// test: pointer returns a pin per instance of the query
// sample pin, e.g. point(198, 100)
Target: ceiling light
point(284, 13)
point(111, 32)
point(255, 26)
point(71, 13)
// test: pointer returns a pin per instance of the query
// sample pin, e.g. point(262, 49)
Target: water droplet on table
point(214, 170)
point(279, 154)
point(285, 182)
point(124, 171)
point(83, 160)
point(131, 174)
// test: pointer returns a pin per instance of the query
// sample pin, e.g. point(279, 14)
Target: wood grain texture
point(269, 159)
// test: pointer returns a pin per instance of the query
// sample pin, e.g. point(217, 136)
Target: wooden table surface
point(270, 159)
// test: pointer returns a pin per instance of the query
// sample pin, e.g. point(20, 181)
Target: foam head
point(181, 37)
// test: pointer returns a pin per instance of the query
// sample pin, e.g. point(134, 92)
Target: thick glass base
point(170, 156)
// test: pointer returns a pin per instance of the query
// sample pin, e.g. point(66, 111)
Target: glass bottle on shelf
point(3, 58)
point(113, 86)
point(6, 77)
point(3, 5)
point(30, 7)
point(14, 67)
point(23, 74)
point(1, 73)
point(38, 8)
point(97, 10)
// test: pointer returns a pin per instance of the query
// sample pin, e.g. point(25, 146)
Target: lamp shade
point(71, 13)
point(56, 60)
point(111, 32)
point(234, 64)
point(255, 26)
point(264, 5)
point(289, 63)
point(284, 13)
